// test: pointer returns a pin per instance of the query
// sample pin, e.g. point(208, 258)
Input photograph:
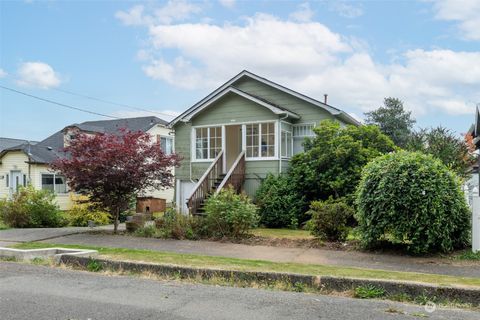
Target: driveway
point(42, 293)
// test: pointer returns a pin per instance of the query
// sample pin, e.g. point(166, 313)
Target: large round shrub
point(412, 199)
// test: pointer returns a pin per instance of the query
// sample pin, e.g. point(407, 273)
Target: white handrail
point(207, 172)
point(230, 172)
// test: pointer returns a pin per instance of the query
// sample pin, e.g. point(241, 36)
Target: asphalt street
point(41, 293)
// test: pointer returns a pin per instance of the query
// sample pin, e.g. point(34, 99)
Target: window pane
point(47, 182)
point(60, 184)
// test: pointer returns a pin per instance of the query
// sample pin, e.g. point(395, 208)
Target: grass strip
point(293, 234)
point(202, 261)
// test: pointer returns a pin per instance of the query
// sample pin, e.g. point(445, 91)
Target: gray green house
point(248, 127)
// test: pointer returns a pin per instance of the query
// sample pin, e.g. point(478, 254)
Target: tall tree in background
point(393, 120)
point(112, 168)
point(456, 153)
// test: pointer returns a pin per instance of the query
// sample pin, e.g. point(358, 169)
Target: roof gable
point(262, 102)
point(185, 116)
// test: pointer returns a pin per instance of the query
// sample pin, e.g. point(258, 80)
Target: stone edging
point(321, 283)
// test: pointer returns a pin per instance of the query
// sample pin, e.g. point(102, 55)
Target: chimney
point(325, 98)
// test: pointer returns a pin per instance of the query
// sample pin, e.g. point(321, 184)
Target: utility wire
point(58, 103)
point(113, 103)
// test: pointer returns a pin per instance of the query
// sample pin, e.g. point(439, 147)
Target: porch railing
point(235, 176)
point(205, 185)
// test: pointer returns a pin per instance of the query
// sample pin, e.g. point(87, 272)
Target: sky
point(119, 59)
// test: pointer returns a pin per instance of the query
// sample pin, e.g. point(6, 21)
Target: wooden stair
point(214, 180)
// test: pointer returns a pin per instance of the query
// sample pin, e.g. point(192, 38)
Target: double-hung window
point(166, 143)
point(208, 143)
point(260, 140)
point(54, 182)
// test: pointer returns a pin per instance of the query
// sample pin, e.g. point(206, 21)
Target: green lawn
point(260, 265)
point(282, 233)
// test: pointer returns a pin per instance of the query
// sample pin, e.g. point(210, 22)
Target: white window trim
point(291, 145)
point(67, 191)
point(193, 153)
point(244, 140)
point(300, 125)
point(194, 142)
point(167, 137)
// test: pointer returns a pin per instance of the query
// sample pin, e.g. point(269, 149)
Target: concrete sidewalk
point(281, 254)
point(38, 234)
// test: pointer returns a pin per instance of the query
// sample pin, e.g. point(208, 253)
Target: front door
point(233, 144)
point(16, 180)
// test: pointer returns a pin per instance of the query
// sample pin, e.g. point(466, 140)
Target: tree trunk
point(115, 222)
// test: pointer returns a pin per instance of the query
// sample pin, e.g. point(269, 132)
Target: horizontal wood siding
point(307, 111)
point(182, 148)
point(233, 109)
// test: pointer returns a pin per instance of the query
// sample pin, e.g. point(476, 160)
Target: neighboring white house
point(28, 162)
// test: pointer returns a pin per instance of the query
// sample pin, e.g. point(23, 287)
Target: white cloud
point(465, 12)
point(310, 58)
point(303, 14)
point(346, 10)
point(227, 3)
point(3, 73)
point(173, 10)
point(37, 74)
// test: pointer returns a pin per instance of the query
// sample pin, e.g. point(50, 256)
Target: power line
point(112, 102)
point(58, 103)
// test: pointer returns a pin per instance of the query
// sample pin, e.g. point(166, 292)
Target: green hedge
point(412, 199)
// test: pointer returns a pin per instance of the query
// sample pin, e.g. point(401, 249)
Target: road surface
point(44, 293)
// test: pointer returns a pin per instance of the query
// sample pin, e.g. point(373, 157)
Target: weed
point(401, 297)
point(94, 265)
point(419, 315)
point(424, 298)
point(39, 261)
point(394, 310)
point(369, 292)
point(298, 287)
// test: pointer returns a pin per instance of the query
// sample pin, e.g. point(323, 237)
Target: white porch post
point(476, 221)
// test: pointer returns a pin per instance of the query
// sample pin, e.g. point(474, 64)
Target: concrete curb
point(321, 283)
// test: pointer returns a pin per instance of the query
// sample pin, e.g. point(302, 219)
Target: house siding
point(234, 109)
point(17, 160)
point(167, 193)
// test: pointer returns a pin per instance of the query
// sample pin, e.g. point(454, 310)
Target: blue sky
point(165, 56)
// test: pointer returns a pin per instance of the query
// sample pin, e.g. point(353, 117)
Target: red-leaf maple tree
point(113, 168)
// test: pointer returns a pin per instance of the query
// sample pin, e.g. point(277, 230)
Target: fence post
point(475, 221)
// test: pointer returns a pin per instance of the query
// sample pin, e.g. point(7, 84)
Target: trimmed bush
point(329, 219)
point(412, 199)
point(81, 213)
point(229, 214)
point(279, 204)
point(30, 208)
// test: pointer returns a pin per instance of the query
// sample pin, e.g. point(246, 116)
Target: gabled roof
point(263, 102)
point(11, 142)
point(332, 110)
point(51, 148)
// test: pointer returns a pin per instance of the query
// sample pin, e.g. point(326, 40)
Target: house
point(27, 163)
point(11, 142)
point(248, 127)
